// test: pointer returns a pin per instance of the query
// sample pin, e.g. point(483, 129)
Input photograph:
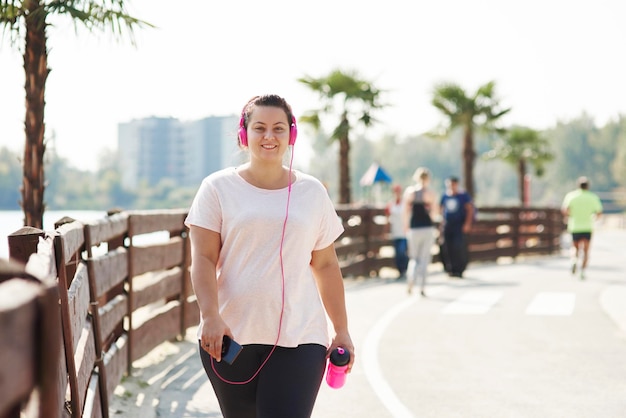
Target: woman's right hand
point(205, 251)
point(212, 335)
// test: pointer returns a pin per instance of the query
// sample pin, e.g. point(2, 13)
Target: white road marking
point(552, 303)
point(474, 302)
point(372, 369)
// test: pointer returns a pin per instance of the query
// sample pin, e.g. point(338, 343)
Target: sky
point(551, 61)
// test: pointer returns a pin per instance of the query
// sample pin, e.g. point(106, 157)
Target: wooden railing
point(118, 298)
point(498, 232)
point(30, 342)
point(94, 297)
point(514, 232)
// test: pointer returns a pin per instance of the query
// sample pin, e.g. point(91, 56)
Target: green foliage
point(353, 100)
point(465, 111)
point(618, 167)
point(93, 15)
point(468, 113)
point(578, 146)
point(599, 158)
point(522, 147)
point(522, 144)
point(71, 189)
point(342, 93)
point(25, 22)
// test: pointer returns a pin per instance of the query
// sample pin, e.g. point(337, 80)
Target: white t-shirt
point(250, 222)
point(396, 219)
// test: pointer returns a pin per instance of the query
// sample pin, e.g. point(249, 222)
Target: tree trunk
point(343, 133)
point(36, 72)
point(344, 170)
point(521, 170)
point(468, 160)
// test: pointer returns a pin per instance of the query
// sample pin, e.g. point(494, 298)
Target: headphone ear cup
point(293, 132)
point(243, 133)
point(243, 136)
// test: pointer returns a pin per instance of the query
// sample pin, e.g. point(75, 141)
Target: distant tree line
point(73, 189)
point(579, 148)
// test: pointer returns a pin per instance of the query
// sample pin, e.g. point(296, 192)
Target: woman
point(265, 273)
point(419, 205)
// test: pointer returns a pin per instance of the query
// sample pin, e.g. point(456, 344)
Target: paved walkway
point(170, 380)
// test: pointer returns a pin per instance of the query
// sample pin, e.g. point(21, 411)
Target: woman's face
point(268, 133)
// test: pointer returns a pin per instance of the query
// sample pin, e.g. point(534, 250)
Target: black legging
point(286, 387)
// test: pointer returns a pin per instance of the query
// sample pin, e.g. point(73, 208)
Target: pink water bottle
point(337, 365)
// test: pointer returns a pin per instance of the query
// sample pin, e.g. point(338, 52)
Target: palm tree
point(354, 100)
point(26, 21)
point(479, 111)
point(520, 147)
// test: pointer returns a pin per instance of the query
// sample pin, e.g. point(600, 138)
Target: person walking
point(419, 204)
point(457, 213)
point(581, 207)
point(265, 273)
point(397, 230)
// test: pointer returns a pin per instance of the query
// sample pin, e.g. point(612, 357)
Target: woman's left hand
point(344, 341)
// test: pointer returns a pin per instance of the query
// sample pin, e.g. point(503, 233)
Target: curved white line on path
point(372, 368)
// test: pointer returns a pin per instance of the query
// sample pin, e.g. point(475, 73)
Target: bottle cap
point(340, 356)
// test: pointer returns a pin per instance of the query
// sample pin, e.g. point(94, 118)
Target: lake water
point(12, 220)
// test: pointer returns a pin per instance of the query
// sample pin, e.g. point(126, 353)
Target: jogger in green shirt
point(582, 208)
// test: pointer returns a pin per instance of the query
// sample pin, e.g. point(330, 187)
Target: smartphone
point(230, 349)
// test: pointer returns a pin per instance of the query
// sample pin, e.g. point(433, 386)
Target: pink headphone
point(243, 133)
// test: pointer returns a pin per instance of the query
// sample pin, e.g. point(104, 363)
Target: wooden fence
point(93, 297)
point(499, 232)
point(30, 343)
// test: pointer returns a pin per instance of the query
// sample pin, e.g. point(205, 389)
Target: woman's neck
point(265, 176)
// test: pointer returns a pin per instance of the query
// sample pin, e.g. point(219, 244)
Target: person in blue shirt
point(457, 213)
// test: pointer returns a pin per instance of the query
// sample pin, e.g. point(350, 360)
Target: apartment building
point(156, 148)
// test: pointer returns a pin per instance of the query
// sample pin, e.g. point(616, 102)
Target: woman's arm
point(325, 268)
point(205, 250)
point(407, 208)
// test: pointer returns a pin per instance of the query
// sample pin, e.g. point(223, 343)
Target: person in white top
point(265, 273)
point(395, 216)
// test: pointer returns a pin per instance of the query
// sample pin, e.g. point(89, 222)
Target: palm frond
point(10, 13)
point(100, 16)
point(311, 118)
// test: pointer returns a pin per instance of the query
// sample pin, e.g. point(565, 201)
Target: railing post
point(367, 220)
point(62, 275)
point(548, 232)
point(23, 243)
point(130, 299)
point(40, 267)
point(182, 297)
point(516, 226)
point(557, 228)
point(50, 351)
